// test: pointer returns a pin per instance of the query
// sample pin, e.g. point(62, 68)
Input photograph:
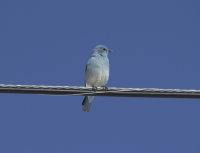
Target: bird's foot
point(94, 88)
point(105, 88)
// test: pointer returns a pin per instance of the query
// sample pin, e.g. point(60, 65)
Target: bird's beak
point(110, 51)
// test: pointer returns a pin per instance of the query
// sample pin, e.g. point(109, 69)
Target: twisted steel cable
point(112, 92)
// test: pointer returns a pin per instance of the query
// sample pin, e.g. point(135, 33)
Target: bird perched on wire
point(96, 72)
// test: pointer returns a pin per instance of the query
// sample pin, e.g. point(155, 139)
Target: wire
point(111, 92)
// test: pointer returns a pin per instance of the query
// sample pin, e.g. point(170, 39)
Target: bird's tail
point(87, 102)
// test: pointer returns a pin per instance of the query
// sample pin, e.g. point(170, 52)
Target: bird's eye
point(104, 49)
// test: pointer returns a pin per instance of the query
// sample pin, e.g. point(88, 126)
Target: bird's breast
point(97, 73)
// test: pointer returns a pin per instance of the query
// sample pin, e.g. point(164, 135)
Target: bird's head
point(102, 50)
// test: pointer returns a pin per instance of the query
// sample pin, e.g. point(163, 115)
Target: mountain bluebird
point(96, 72)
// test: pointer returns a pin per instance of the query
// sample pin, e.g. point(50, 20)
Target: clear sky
point(156, 44)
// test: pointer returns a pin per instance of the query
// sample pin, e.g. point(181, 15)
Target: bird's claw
point(94, 88)
point(105, 88)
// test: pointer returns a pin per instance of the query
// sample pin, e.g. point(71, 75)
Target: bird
point(96, 72)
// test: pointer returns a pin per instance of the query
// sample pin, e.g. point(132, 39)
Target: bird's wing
point(85, 72)
point(88, 63)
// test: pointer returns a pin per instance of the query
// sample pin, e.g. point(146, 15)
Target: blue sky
point(156, 44)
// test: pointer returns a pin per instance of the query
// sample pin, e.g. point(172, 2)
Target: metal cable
point(112, 92)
